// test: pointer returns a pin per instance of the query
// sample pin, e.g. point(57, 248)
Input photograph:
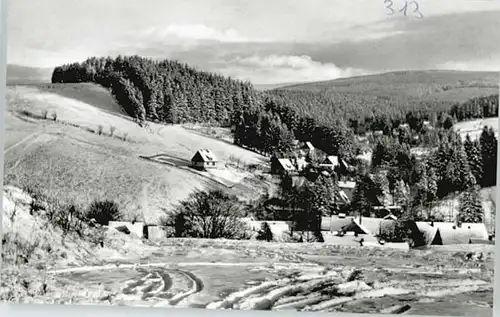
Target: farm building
point(204, 159)
point(446, 233)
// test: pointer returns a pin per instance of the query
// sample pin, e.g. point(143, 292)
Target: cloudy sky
point(264, 41)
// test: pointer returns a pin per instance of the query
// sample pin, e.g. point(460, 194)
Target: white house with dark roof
point(204, 159)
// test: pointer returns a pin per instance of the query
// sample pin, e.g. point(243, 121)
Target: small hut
point(204, 159)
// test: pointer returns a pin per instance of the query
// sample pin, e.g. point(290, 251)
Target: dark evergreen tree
point(489, 145)
point(473, 151)
point(265, 233)
point(471, 208)
point(365, 196)
point(448, 122)
point(426, 194)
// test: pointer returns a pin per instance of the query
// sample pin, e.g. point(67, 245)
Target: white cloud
point(284, 69)
point(375, 36)
point(482, 65)
point(195, 32)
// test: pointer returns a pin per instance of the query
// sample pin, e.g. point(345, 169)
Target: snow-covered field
point(474, 127)
point(226, 274)
point(71, 160)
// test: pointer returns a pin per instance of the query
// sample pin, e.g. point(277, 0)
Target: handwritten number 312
point(414, 4)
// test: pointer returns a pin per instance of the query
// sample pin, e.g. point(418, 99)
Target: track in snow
point(172, 286)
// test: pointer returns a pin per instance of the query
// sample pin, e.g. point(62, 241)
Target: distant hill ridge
point(17, 74)
point(447, 78)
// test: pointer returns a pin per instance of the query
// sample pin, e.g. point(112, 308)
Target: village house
point(420, 153)
point(300, 163)
point(348, 188)
point(204, 159)
point(388, 211)
point(355, 225)
point(448, 233)
point(306, 148)
point(365, 156)
point(335, 164)
point(282, 166)
point(363, 140)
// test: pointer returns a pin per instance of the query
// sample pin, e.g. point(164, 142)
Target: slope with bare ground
point(89, 93)
point(76, 157)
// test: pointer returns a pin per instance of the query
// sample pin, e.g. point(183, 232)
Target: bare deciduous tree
point(211, 214)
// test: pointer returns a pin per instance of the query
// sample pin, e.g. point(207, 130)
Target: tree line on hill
point(164, 91)
point(273, 128)
point(171, 92)
point(476, 108)
point(268, 122)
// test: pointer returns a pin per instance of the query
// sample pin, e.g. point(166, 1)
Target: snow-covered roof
point(333, 160)
point(286, 164)
point(348, 184)
point(449, 233)
point(309, 146)
point(205, 155)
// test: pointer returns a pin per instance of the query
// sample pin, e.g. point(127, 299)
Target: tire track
point(196, 287)
point(160, 285)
